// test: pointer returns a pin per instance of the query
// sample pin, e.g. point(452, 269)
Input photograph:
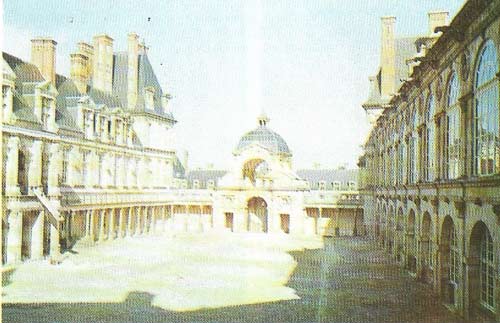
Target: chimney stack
point(437, 19)
point(87, 50)
point(80, 71)
point(132, 72)
point(43, 56)
point(388, 57)
point(103, 63)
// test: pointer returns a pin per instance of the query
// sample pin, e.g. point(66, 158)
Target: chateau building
point(89, 158)
point(85, 156)
point(430, 173)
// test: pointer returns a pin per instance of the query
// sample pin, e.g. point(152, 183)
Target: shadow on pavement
point(350, 280)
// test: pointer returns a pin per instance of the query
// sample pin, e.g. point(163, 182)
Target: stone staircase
point(53, 214)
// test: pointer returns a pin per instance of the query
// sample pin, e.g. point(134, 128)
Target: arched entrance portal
point(257, 215)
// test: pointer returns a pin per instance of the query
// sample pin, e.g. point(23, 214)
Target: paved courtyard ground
point(220, 278)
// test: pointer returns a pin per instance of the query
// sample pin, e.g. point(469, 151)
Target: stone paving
point(349, 280)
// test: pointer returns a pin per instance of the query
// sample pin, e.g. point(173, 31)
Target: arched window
point(412, 144)
point(430, 154)
point(453, 131)
point(487, 270)
point(486, 103)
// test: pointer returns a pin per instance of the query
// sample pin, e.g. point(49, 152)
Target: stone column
point(87, 223)
point(55, 248)
point(102, 216)
point(92, 225)
point(11, 167)
point(35, 165)
point(129, 221)
point(14, 236)
point(138, 221)
point(121, 225)
point(54, 170)
point(153, 219)
point(111, 222)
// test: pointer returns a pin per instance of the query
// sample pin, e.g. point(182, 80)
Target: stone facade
point(78, 158)
point(430, 174)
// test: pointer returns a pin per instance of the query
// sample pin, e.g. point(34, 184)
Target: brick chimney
point(437, 19)
point(103, 63)
point(388, 57)
point(132, 70)
point(43, 56)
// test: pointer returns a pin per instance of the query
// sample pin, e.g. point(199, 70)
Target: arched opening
point(450, 261)
point(5, 230)
point(390, 230)
point(411, 244)
point(257, 215)
point(376, 227)
point(399, 235)
point(383, 226)
point(427, 249)
point(22, 172)
point(481, 271)
point(255, 170)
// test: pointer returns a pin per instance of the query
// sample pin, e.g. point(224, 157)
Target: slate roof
point(405, 48)
point(314, 176)
point(25, 72)
point(146, 77)
point(204, 175)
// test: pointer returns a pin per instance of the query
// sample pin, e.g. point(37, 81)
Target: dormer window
point(149, 93)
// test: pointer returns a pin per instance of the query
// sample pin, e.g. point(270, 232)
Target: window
point(352, 185)
point(454, 255)
point(65, 166)
point(322, 185)
point(211, 184)
point(453, 124)
point(196, 184)
point(486, 117)
point(487, 279)
point(336, 186)
point(430, 154)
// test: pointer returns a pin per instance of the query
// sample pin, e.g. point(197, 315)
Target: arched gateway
point(257, 215)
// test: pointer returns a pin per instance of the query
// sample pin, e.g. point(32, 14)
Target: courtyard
point(220, 278)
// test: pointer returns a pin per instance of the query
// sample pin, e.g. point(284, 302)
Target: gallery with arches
point(431, 168)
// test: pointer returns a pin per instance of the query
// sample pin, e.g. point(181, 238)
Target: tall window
point(412, 153)
point(430, 154)
point(454, 255)
point(486, 137)
point(453, 125)
point(487, 269)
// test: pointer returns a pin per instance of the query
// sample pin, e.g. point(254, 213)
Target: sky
point(304, 63)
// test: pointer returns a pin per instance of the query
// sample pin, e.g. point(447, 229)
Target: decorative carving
point(439, 90)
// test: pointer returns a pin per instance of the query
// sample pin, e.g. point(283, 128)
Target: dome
point(264, 136)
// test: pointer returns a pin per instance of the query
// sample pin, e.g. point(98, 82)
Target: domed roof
point(264, 136)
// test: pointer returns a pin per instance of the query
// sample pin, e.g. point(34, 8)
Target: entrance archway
point(481, 270)
point(427, 249)
point(257, 215)
point(450, 261)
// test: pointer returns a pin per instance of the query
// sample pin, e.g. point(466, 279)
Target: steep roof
point(146, 77)
point(25, 72)
point(314, 176)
